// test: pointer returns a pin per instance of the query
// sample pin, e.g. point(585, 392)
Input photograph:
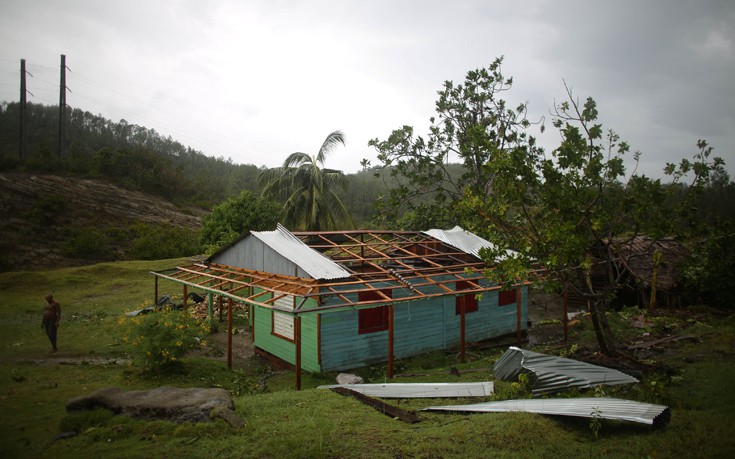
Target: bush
point(86, 242)
point(234, 216)
point(47, 210)
point(161, 338)
point(160, 242)
point(707, 275)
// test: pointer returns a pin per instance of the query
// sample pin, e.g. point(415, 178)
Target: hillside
point(44, 214)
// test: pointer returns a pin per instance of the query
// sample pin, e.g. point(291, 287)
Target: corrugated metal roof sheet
point(420, 390)
point(603, 407)
point(314, 263)
point(464, 240)
point(548, 373)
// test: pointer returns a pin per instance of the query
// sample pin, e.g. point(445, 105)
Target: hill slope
point(42, 212)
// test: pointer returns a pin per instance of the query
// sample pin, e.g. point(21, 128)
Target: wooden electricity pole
point(62, 108)
point(23, 143)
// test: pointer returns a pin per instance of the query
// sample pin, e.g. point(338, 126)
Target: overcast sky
point(257, 80)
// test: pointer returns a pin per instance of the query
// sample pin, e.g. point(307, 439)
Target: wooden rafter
point(418, 264)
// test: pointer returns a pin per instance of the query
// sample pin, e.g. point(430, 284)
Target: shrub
point(47, 210)
point(86, 242)
point(157, 242)
point(161, 338)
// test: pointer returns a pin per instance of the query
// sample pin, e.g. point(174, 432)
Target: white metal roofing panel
point(590, 407)
point(420, 390)
point(549, 373)
point(312, 262)
point(463, 240)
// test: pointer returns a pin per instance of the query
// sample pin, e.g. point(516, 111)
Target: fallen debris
point(420, 390)
point(389, 410)
point(549, 374)
point(592, 407)
point(668, 339)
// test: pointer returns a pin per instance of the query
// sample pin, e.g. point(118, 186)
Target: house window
point(469, 299)
point(507, 297)
point(282, 322)
point(374, 319)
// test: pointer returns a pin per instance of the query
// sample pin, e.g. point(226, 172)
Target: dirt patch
point(545, 314)
point(216, 346)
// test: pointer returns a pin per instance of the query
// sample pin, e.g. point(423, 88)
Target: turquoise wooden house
point(328, 301)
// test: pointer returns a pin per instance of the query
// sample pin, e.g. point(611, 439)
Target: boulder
point(165, 403)
point(347, 378)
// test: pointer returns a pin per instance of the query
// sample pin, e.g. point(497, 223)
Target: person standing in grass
point(51, 319)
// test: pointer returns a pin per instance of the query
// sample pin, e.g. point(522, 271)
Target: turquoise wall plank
point(420, 326)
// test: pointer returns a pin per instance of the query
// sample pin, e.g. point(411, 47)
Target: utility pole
point(23, 143)
point(62, 108)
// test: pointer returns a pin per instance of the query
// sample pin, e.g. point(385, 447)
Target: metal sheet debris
point(549, 374)
point(592, 407)
point(420, 390)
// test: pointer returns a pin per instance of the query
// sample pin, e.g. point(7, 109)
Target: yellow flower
point(179, 343)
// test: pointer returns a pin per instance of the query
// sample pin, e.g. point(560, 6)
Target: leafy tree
point(158, 242)
point(308, 189)
point(473, 125)
point(234, 216)
point(569, 214)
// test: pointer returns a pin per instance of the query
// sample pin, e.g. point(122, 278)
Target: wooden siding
point(283, 348)
point(420, 326)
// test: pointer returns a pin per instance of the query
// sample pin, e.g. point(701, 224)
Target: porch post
point(565, 319)
point(220, 308)
point(391, 337)
point(229, 333)
point(518, 315)
point(462, 323)
point(210, 309)
point(297, 341)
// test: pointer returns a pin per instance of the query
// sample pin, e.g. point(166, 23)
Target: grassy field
point(281, 422)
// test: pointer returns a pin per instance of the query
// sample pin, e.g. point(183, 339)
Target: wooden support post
point(210, 308)
point(565, 319)
point(518, 315)
point(220, 308)
point(185, 293)
point(462, 323)
point(155, 290)
point(229, 333)
point(297, 342)
point(391, 338)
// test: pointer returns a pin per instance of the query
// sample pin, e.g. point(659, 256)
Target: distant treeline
point(142, 159)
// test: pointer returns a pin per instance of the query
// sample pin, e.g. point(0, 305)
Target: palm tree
point(307, 189)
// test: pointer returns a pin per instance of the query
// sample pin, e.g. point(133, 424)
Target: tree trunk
point(602, 328)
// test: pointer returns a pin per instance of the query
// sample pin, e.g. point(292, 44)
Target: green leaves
point(307, 189)
point(233, 217)
point(472, 124)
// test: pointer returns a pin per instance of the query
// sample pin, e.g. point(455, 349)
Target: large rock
point(167, 403)
point(347, 378)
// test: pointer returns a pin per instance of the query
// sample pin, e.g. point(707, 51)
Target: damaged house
point(335, 300)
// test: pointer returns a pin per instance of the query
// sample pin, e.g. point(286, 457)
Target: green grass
point(281, 422)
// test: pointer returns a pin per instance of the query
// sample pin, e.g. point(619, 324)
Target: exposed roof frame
point(412, 261)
